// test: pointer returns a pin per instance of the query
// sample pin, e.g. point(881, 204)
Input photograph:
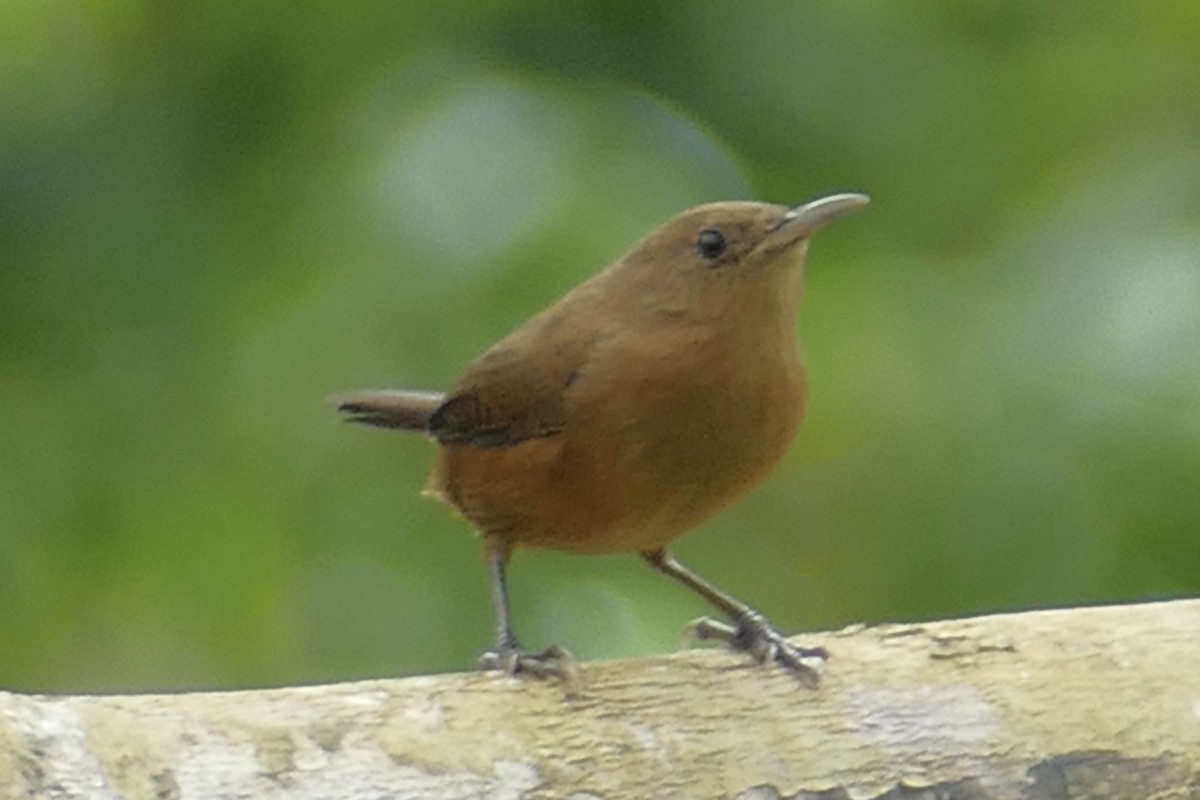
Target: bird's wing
point(503, 399)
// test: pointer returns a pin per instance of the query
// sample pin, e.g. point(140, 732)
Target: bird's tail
point(389, 408)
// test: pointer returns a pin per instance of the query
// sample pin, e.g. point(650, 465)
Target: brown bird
point(642, 402)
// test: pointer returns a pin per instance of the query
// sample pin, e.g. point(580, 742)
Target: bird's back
point(638, 431)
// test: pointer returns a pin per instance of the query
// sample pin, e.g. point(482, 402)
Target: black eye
point(710, 243)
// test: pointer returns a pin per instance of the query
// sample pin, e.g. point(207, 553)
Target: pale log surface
point(1084, 703)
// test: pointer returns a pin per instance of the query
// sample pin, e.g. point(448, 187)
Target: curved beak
point(805, 220)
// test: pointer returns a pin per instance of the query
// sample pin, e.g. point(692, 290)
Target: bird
point(638, 405)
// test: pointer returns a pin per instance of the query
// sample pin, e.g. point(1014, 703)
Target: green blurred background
point(214, 214)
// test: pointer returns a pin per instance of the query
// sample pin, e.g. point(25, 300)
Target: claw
point(553, 662)
point(754, 635)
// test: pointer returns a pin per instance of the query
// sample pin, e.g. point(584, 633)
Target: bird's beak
point(803, 221)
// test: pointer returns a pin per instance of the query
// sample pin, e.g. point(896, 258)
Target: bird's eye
point(710, 244)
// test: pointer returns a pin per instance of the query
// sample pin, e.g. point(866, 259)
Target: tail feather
point(389, 408)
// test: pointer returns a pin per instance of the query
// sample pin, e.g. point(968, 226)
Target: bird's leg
point(508, 656)
point(750, 631)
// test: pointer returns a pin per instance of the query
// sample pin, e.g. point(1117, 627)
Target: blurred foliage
point(214, 214)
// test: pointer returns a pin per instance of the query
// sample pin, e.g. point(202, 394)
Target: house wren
point(638, 405)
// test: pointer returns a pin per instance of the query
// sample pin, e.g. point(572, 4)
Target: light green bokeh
point(213, 217)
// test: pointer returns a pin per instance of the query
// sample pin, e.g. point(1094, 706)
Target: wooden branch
point(1097, 703)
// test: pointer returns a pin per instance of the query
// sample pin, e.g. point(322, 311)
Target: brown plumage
point(638, 405)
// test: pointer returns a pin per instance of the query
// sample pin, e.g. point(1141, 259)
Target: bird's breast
point(658, 438)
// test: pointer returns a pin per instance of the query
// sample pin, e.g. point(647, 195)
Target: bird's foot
point(751, 633)
point(553, 662)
